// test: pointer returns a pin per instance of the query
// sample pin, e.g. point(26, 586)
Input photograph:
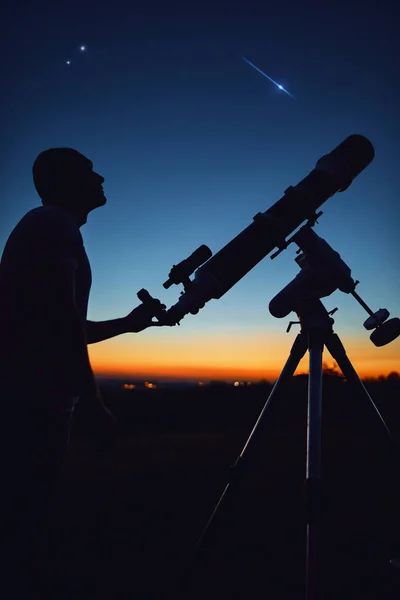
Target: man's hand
point(142, 316)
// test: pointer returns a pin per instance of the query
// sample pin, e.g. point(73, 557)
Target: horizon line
point(162, 378)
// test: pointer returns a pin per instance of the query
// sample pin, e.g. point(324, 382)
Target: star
point(82, 48)
point(68, 62)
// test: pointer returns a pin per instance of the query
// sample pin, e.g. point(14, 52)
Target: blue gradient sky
point(193, 142)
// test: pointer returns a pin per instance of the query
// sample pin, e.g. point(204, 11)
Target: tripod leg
point(208, 536)
point(338, 352)
point(297, 352)
point(313, 461)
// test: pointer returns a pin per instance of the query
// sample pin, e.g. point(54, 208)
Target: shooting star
point(278, 85)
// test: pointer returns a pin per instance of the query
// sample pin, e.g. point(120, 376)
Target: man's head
point(65, 178)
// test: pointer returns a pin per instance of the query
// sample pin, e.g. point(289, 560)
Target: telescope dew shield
point(347, 160)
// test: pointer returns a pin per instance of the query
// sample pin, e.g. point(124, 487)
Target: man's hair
point(54, 170)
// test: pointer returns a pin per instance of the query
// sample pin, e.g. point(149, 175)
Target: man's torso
point(30, 365)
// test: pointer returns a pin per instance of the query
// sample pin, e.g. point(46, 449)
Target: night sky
point(193, 142)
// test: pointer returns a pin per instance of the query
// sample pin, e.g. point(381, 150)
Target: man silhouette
point(45, 280)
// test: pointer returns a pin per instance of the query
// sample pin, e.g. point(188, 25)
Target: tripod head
point(322, 272)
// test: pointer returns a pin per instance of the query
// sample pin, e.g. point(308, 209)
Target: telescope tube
point(333, 173)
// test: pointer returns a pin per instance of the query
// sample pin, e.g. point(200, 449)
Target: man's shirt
point(32, 365)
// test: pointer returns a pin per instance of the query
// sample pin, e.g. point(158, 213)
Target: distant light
point(68, 62)
point(236, 384)
point(82, 48)
point(200, 383)
point(129, 386)
point(280, 87)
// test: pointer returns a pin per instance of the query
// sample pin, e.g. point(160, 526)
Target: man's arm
point(137, 320)
point(98, 331)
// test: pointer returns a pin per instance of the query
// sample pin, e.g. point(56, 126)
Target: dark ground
point(125, 521)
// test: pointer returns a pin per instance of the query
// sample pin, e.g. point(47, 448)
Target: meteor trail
point(278, 85)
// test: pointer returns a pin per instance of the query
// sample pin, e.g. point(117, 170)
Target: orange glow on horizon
point(230, 357)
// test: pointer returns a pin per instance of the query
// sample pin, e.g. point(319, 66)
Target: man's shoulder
point(44, 231)
point(50, 224)
point(49, 216)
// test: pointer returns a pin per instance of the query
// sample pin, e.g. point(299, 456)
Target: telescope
point(322, 271)
point(333, 173)
point(215, 275)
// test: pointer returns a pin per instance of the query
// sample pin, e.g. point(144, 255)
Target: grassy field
point(125, 520)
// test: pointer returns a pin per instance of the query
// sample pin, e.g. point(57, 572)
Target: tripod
point(316, 332)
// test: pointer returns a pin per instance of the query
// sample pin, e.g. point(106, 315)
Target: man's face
point(88, 186)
